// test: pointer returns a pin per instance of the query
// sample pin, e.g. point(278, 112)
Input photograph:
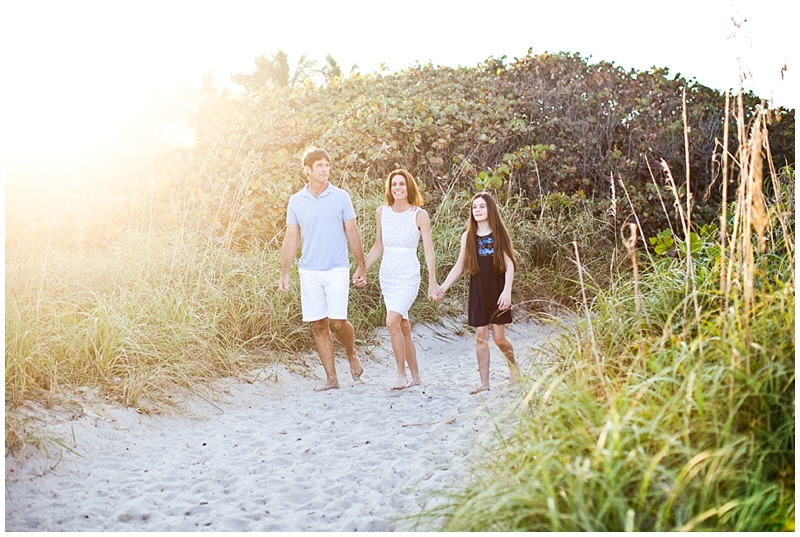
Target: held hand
point(433, 291)
point(359, 278)
point(504, 302)
point(440, 294)
point(283, 283)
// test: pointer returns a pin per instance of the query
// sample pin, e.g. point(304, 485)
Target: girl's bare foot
point(481, 388)
point(399, 383)
point(413, 382)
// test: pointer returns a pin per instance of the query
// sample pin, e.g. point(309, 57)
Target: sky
point(74, 71)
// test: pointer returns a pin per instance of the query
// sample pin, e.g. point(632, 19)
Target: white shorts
point(324, 293)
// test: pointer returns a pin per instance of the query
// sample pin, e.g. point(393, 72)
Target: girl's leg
point(499, 335)
point(393, 324)
point(411, 353)
point(482, 350)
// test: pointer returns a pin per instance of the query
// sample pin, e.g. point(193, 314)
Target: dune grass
point(144, 315)
point(150, 311)
point(673, 435)
point(671, 405)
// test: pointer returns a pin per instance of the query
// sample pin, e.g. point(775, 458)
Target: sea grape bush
point(546, 127)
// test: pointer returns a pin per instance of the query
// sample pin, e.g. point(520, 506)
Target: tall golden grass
point(671, 406)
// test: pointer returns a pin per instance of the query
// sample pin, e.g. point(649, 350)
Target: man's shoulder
point(302, 193)
point(339, 195)
point(333, 189)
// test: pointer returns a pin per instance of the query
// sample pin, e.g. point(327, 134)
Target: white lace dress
point(399, 274)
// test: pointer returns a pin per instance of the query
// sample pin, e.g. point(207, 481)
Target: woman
point(399, 225)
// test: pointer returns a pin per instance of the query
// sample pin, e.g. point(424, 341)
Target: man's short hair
point(313, 154)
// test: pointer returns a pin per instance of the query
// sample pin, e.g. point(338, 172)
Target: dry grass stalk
point(658, 192)
point(723, 216)
point(630, 246)
point(638, 223)
point(686, 233)
point(754, 212)
point(596, 353)
point(776, 184)
point(688, 226)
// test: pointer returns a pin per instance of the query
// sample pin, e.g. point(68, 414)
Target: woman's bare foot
point(481, 388)
point(413, 382)
point(328, 386)
point(399, 383)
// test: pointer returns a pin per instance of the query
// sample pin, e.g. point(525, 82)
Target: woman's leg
point(393, 325)
point(411, 353)
point(482, 350)
point(499, 336)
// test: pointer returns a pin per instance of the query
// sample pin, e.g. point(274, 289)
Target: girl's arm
point(377, 249)
point(504, 302)
point(424, 225)
point(457, 269)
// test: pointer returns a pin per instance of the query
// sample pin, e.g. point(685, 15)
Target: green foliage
point(539, 125)
point(702, 245)
point(685, 440)
point(644, 418)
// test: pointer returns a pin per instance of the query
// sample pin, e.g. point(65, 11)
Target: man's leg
point(347, 337)
point(324, 343)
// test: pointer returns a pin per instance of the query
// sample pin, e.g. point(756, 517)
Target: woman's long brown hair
point(414, 197)
point(502, 241)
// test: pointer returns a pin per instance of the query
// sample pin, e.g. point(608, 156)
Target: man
point(323, 217)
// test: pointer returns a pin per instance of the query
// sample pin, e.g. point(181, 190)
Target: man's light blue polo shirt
point(321, 223)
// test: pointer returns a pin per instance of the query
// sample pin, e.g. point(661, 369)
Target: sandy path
point(276, 456)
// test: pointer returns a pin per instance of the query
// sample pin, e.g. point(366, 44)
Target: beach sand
point(274, 455)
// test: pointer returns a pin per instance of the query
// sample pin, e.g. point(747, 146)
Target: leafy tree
point(550, 130)
point(332, 70)
point(276, 70)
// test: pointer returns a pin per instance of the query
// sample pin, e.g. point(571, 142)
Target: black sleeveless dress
point(485, 288)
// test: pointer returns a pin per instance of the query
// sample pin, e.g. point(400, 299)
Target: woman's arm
point(377, 249)
point(457, 269)
point(424, 225)
point(504, 302)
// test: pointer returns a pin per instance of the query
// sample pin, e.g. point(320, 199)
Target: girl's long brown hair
point(502, 241)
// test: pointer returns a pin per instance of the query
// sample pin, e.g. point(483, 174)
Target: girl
point(488, 255)
point(399, 225)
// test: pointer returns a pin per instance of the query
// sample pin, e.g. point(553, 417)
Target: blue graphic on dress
point(485, 245)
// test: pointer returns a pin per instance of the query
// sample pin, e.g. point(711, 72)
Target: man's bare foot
point(399, 383)
point(356, 370)
point(481, 388)
point(327, 386)
point(413, 382)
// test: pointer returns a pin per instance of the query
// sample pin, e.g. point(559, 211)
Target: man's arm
point(354, 240)
point(288, 252)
